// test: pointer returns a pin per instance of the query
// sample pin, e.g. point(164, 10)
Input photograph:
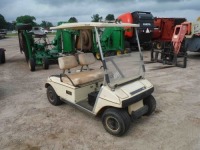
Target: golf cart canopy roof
point(91, 25)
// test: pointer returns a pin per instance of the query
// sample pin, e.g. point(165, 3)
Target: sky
point(61, 10)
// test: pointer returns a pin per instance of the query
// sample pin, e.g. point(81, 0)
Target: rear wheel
point(151, 103)
point(45, 63)
point(2, 56)
point(115, 121)
point(31, 64)
point(53, 98)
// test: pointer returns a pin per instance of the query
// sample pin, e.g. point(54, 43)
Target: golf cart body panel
point(71, 93)
point(122, 96)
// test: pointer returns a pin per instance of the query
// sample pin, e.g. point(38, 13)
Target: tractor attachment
point(113, 42)
point(37, 48)
point(167, 55)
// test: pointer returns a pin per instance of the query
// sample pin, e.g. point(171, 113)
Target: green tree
point(3, 23)
point(96, 18)
point(46, 24)
point(110, 17)
point(27, 20)
point(72, 19)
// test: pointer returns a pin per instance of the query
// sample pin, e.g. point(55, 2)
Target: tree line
point(45, 24)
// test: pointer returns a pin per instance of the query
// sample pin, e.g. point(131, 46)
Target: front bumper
point(137, 98)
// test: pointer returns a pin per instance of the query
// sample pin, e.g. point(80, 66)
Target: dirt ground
point(29, 122)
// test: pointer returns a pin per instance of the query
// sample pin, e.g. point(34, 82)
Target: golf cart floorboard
point(85, 105)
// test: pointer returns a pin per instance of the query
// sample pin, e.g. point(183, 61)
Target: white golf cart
point(118, 92)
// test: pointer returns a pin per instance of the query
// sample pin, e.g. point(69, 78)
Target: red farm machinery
point(163, 49)
point(145, 31)
point(187, 36)
point(163, 30)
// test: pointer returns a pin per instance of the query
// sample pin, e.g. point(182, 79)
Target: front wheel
point(115, 121)
point(31, 64)
point(151, 103)
point(53, 98)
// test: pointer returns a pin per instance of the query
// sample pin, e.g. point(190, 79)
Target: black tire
point(151, 103)
point(24, 27)
point(127, 119)
point(31, 64)
point(45, 63)
point(53, 98)
point(185, 61)
point(2, 56)
point(115, 121)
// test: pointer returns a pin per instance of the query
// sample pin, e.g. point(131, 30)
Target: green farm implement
point(40, 52)
point(112, 40)
point(37, 49)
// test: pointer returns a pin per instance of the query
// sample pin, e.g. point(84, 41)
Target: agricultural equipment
point(186, 37)
point(2, 56)
point(35, 45)
point(145, 31)
point(67, 42)
point(118, 91)
point(64, 42)
point(112, 42)
point(163, 31)
point(162, 47)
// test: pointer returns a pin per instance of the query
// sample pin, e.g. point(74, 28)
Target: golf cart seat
point(79, 78)
point(86, 59)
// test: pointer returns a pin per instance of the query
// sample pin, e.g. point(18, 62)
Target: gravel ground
point(29, 121)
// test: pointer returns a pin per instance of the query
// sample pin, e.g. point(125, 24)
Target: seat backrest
point(86, 59)
point(67, 62)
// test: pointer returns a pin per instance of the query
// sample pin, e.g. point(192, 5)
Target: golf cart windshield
point(123, 68)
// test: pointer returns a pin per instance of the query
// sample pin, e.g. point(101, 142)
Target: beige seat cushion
point(86, 59)
point(84, 77)
point(67, 62)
